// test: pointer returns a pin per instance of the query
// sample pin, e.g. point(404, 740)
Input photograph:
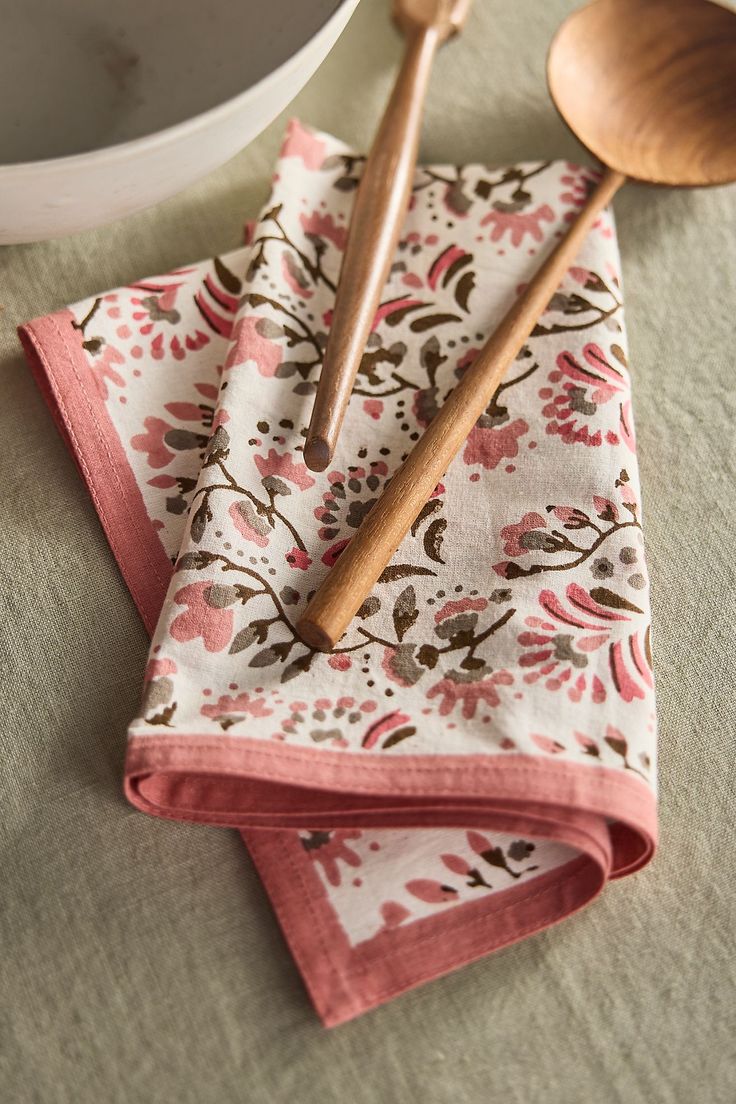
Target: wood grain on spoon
point(649, 86)
point(664, 71)
point(380, 207)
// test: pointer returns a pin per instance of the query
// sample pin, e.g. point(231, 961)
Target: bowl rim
point(198, 122)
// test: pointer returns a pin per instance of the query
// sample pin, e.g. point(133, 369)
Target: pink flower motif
point(604, 508)
point(283, 465)
point(478, 843)
point(152, 442)
point(449, 609)
point(373, 408)
point(567, 514)
point(208, 390)
point(449, 257)
point(330, 848)
point(470, 694)
point(303, 143)
point(160, 303)
point(298, 558)
point(519, 224)
point(242, 703)
point(393, 311)
point(186, 411)
point(627, 493)
point(578, 183)
point(249, 343)
point(513, 534)
point(624, 679)
point(156, 668)
point(571, 411)
point(323, 226)
point(156, 317)
point(380, 728)
point(339, 662)
point(558, 653)
point(331, 555)
point(393, 914)
point(489, 445)
point(457, 864)
point(546, 743)
point(589, 746)
point(431, 892)
point(580, 275)
point(393, 665)
point(295, 276)
point(600, 374)
point(213, 624)
point(248, 523)
point(586, 612)
point(102, 368)
point(626, 426)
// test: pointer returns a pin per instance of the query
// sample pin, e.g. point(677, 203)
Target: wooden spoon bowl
point(649, 86)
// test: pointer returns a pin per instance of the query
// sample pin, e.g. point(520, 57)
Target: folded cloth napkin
point(476, 758)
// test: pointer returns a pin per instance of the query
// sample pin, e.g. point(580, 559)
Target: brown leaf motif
point(405, 612)
point(433, 540)
point(398, 735)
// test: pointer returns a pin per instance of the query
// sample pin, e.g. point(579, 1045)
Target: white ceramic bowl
point(106, 108)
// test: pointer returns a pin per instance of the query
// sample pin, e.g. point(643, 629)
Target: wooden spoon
point(380, 207)
point(650, 87)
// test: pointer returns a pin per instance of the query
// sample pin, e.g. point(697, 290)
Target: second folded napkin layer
point(476, 757)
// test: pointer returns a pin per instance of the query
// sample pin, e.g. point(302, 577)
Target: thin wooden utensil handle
point(380, 207)
point(359, 566)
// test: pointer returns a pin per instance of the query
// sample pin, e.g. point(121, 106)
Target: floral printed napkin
point(476, 758)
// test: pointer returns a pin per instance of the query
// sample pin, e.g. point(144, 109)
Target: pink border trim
point(244, 782)
point(345, 981)
point(572, 803)
point(54, 352)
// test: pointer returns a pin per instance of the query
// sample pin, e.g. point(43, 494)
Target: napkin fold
point(476, 758)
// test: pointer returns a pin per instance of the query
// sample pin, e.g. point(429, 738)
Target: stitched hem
point(241, 782)
point(344, 981)
point(71, 391)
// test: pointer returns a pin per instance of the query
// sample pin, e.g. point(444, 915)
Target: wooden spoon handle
point(380, 207)
point(361, 563)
